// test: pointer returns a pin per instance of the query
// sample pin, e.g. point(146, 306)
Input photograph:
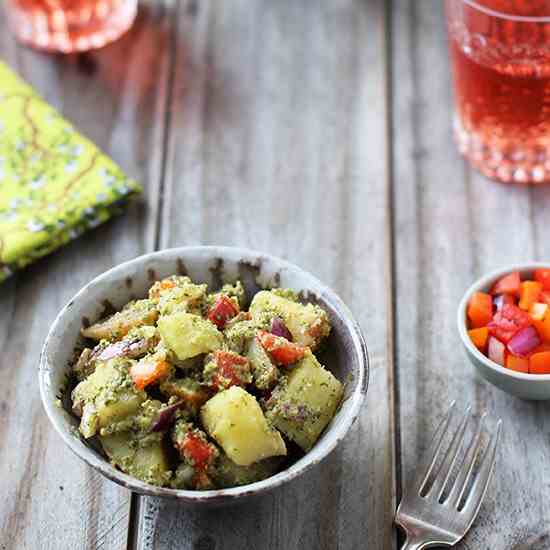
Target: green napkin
point(54, 183)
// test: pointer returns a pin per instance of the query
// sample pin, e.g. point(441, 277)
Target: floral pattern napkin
point(54, 183)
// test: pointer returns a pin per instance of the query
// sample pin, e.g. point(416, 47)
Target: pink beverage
point(70, 25)
point(500, 53)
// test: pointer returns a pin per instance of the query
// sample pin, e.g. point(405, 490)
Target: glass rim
point(511, 17)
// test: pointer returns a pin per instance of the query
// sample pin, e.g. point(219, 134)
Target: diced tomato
point(480, 309)
point(479, 337)
point(231, 370)
point(223, 310)
point(506, 322)
point(148, 371)
point(529, 294)
point(543, 277)
point(519, 364)
point(199, 451)
point(539, 363)
point(509, 284)
point(281, 350)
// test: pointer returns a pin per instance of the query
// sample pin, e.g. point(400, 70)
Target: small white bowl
point(345, 355)
point(526, 386)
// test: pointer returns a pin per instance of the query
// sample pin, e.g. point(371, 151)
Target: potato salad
point(190, 389)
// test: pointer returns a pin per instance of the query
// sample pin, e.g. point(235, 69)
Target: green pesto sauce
point(143, 431)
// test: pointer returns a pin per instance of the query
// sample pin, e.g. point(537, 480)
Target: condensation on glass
point(500, 53)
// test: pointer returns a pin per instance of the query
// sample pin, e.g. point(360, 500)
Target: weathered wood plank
point(451, 226)
point(277, 143)
point(116, 96)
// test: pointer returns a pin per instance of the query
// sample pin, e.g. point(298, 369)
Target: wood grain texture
point(276, 142)
point(451, 226)
point(50, 499)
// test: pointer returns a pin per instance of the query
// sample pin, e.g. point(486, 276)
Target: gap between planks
point(170, 5)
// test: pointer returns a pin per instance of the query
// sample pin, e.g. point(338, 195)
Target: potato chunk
point(135, 314)
point(188, 335)
point(304, 402)
point(106, 397)
point(235, 420)
point(307, 323)
point(264, 371)
point(145, 460)
point(189, 298)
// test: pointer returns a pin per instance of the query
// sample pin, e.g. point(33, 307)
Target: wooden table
point(319, 132)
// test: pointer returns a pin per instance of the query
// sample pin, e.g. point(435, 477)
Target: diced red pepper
point(281, 350)
point(222, 311)
point(197, 450)
point(545, 346)
point(519, 364)
point(529, 294)
point(231, 370)
point(148, 371)
point(509, 284)
point(479, 337)
point(480, 309)
point(509, 320)
point(198, 453)
point(545, 297)
point(539, 363)
point(160, 286)
point(543, 328)
point(542, 275)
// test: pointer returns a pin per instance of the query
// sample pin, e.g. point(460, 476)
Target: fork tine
point(481, 482)
point(430, 456)
point(446, 468)
point(466, 467)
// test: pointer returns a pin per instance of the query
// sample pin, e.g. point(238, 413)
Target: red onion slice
point(524, 342)
point(496, 351)
point(123, 348)
point(278, 328)
point(501, 300)
point(166, 417)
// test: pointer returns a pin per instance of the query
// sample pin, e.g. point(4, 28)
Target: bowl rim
point(486, 282)
point(85, 453)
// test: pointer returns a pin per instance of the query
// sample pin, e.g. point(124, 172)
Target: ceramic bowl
point(526, 386)
point(346, 354)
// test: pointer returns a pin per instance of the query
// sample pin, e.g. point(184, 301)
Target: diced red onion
point(501, 300)
point(278, 328)
point(496, 351)
point(166, 417)
point(524, 342)
point(126, 349)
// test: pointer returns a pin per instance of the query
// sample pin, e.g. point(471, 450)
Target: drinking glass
point(500, 53)
point(70, 25)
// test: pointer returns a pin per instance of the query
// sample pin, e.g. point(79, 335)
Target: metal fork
point(429, 515)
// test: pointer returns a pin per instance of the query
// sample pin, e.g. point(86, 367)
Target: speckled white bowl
point(526, 386)
point(346, 354)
